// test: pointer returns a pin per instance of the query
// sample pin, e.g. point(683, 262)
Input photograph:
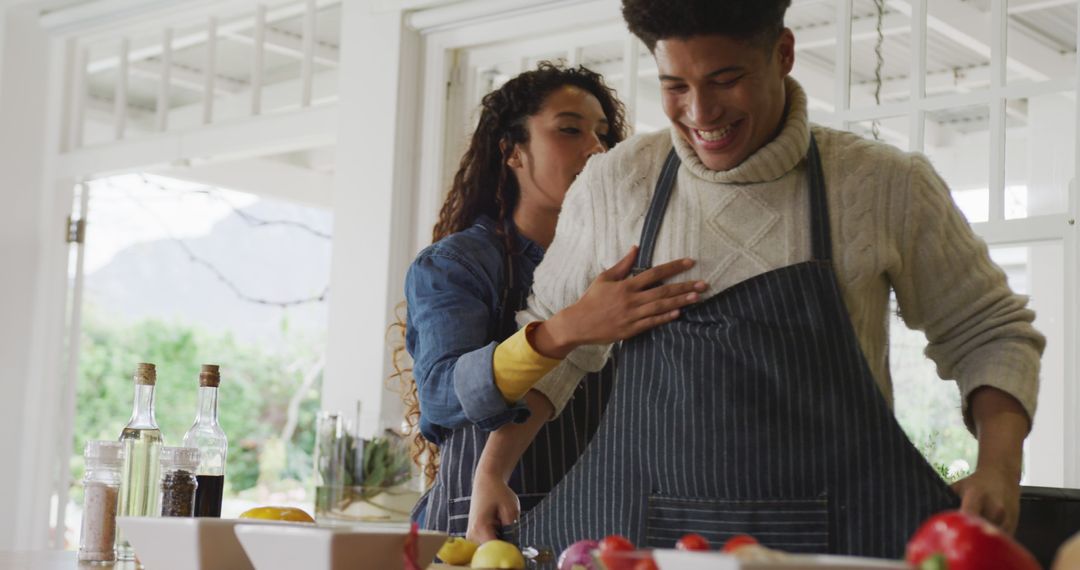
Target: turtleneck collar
point(768, 163)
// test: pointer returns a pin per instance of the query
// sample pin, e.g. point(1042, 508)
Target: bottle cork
point(209, 377)
point(145, 374)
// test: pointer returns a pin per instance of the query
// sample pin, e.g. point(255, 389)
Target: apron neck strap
point(661, 197)
point(819, 209)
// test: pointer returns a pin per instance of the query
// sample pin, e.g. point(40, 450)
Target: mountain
point(275, 262)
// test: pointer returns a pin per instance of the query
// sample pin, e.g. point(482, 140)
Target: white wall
point(31, 226)
point(372, 208)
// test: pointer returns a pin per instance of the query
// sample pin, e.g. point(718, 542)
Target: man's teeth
point(714, 135)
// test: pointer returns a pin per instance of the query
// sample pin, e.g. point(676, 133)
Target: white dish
point(360, 547)
point(181, 543)
point(687, 560)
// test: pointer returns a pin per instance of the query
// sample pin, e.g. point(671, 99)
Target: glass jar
point(101, 491)
point(178, 483)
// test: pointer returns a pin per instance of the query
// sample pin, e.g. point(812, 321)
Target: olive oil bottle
point(142, 443)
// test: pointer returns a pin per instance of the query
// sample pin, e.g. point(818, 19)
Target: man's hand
point(992, 495)
point(493, 505)
point(993, 491)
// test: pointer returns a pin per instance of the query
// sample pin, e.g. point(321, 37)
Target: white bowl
point(691, 560)
point(358, 547)
point(182, 543)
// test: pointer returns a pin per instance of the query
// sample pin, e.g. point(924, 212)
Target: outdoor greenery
point(927, 407)
point(265, 444)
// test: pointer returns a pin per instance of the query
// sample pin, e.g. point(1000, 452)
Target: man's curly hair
point(758, 21)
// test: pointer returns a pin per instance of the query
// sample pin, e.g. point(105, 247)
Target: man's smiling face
point(725, 96)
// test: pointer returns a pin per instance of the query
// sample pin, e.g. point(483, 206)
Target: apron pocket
point(792, 525)
point(459, 516)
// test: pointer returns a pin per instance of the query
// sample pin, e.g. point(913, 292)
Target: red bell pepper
point(956, 541)
point(412, 548)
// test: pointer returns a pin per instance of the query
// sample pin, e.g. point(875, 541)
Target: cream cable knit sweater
point(894, 225)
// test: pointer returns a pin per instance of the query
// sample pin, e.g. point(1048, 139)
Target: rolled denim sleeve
point(449, 340)
point(481, 400)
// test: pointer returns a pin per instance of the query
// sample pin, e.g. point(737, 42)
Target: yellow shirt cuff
point(517, 365)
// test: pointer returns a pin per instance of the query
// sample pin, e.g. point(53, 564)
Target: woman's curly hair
point(484, 184)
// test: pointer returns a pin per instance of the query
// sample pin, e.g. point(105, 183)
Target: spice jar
point(178, 481)
point(101, 489)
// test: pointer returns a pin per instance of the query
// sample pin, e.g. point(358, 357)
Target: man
point(766, 408)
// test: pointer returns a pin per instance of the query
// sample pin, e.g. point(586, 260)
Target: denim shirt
point(453, 292)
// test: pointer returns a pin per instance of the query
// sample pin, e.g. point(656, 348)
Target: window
point(181, 274)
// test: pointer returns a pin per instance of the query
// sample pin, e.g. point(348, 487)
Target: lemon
point(292, 514)
point(498, 554)
point(457, 551)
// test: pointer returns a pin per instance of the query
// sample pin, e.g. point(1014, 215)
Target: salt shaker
point(178, 483)
point(101, 489)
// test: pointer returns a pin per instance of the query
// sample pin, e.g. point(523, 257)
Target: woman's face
point(563, 134)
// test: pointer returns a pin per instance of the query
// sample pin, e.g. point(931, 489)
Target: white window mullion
point(631, 54)
point(574, 56)
point(120, 96)
point(917, 117)
point(163, 105)
point(78, 99)
point(66, 427)
point(998, 54)
point(210, 70)
point(843, 62)
point(1072, 306)
point(1022, 231)
point(257, 60)
point(307, 67)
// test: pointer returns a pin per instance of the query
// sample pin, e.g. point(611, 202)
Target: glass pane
point(1041, 40)
point(180, 274)
point(814, 25)
point(607, 59)
point(958, 145)
point(649, 113)
point(891, 130)
point(880, 54)
point(928, 408)
point(101, 74)
point(957, 47)
point(1040, 158)
point(1036, 270)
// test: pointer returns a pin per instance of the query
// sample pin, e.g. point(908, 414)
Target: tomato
point(738, 541)
point(615, 542)
point(613, 550)
point(692, 541)
point(646, 564)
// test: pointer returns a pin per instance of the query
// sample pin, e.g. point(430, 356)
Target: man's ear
point(785, 51)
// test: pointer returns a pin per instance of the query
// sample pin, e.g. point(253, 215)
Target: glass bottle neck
point(143, 413)
point(207, 406)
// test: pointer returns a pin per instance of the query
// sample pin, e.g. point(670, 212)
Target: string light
point(213, 269)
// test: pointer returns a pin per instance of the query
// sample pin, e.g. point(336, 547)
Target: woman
point(535, 134)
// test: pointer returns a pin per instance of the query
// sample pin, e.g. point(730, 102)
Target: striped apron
point(754, 412)
point(557, 446)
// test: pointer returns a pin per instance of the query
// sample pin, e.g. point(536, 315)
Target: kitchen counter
point(65, 560)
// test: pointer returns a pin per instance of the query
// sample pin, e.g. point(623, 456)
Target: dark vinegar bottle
point(206, 435)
